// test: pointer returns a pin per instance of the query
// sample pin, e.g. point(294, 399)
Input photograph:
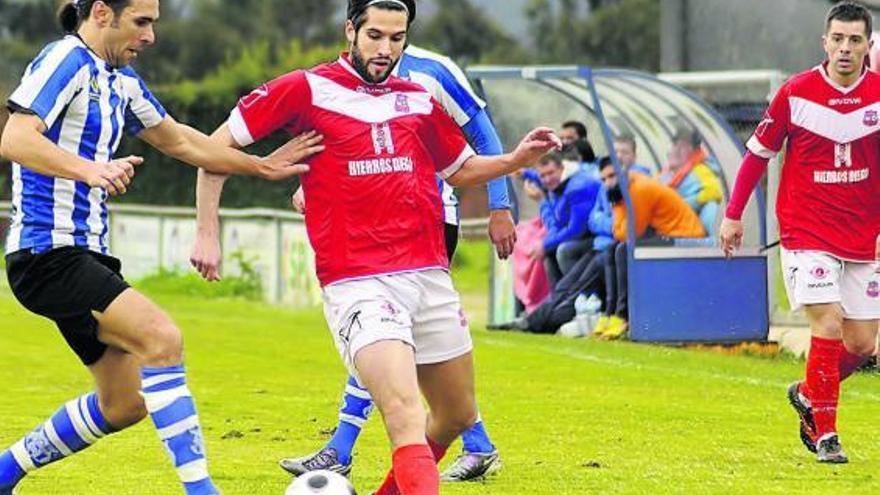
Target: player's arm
point(476, 170)
point(23, 141)
point(206, 255)
point(192, 146)
point(502, 229)
point(764, 144)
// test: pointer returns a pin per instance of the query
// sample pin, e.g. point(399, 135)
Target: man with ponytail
point(376, 226)
point(67, 117)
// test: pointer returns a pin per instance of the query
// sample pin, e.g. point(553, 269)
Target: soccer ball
point(320, 483)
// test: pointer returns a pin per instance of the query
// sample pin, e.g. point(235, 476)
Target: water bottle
point(587, 310)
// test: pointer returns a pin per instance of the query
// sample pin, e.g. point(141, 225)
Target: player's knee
point(829, 323)
point(123, 412)
point(165, 347)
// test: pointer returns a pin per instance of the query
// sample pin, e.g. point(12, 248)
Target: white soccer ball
point(320, 483)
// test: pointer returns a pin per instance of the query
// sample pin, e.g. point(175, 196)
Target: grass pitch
point(570, 417)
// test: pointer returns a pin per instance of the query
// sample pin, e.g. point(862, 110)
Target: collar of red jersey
point(346, 64)
point(823, 69)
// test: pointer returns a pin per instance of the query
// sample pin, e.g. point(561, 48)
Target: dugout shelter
point(686, 292)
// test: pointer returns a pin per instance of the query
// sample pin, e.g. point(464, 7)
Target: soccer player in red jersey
point(375, 223)
point(829, 214)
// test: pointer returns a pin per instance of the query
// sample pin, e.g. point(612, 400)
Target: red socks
point(414, 470)
point(849, 363)
point(823, 382)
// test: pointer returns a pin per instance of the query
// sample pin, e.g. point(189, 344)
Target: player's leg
point(371, 323)
point(860, 294)
point(388, 369)
point(135, 324)
point(859, 344)
point(336, 454)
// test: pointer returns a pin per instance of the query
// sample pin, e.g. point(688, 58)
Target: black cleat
point(804, 409)
point(326, 459)
point(470, 466)
point(828, 450)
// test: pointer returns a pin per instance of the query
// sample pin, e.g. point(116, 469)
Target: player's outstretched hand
point(730, 236)
point(536, 144)
point(298, 201)
point(206, 257)
point(502, 232)
point(114, 176)
point(285, 162)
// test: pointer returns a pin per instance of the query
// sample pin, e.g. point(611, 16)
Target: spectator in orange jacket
point(660, 215)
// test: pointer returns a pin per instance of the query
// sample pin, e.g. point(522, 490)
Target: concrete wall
point(743, 34)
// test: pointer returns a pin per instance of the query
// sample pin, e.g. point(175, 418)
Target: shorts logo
point(401, 104)
point(873, 289)
point(391, 314)
point(819, 272)
point(871, 119)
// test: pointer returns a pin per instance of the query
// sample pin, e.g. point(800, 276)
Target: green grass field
point(570, 417)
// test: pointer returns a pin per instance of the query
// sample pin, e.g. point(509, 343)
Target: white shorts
point(815, 277)
point(420, 308)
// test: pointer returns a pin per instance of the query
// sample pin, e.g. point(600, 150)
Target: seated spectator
point(565, 210)
point(574, 140)
point(625, 149)
point(691, 172)
point(660, 216)
point(530, 283)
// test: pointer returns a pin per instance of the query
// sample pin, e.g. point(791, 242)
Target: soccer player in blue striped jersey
point(68, 114)
point(448, 85)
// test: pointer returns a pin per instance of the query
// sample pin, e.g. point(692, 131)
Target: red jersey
point(373, 203)
point(829, 193)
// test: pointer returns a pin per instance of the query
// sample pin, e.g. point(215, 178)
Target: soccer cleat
point(804, 409)
point(601, 325)
point(615, 329)
point(470, 466)
point(326, 458)
point(828, 450)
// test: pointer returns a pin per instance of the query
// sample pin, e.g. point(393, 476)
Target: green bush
point(247, 285)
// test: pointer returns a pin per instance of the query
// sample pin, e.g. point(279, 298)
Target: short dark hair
point(578, 127)
point(73, 13)
point(553, 157)
point(357, 10)
point(848, 11)
point(687, 134)
point(604, 162)
point(626, 138)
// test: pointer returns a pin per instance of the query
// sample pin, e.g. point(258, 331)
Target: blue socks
point(74, 427)
point(173, 412)
point(356, 408)
point(476, 440)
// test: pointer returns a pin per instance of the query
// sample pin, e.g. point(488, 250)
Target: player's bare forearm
point(478, 170)
point(23, 142)
point(209, 188)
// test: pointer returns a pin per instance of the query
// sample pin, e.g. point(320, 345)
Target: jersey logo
point(842, 155)
point(255, 96)
point(401, 103)
point(871, 119)
point(382, 141)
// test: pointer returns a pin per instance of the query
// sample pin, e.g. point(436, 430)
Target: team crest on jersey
point(401, 103)
point(94, 89)
point(871, 119)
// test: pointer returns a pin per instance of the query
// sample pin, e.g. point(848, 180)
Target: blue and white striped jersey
point(86, 105)
point(446, 82)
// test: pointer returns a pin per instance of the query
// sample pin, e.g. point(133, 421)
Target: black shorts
point(450, 233)
point(65, 285)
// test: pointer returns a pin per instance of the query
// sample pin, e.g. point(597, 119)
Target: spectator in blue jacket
point(565, 211)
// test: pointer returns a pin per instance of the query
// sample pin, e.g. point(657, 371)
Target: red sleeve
point(750, 173)
point(277, 104)
point(444, 141)
point(773, 129)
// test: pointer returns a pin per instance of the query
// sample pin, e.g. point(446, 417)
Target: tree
point(466, 34)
